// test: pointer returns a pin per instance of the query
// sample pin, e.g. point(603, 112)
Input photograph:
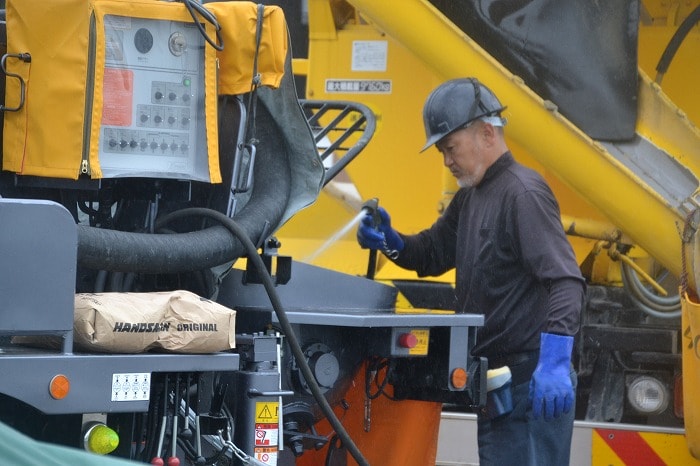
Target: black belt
point(521, 365)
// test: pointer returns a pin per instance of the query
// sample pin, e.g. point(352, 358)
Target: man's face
point(462, 152)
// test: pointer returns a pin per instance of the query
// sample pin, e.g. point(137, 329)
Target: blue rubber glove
point(551, 391)
point(382, 236)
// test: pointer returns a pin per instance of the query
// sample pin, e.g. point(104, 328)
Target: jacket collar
point(501, 163)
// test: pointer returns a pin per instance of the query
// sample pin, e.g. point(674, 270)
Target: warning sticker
point(118, 90)
point(267, 412)
point(131, 387)
point(369, 55)
point(266, 435)
point(267, 455)
point(358, 86)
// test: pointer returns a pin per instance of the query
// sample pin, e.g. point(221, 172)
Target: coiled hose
point(663, 307)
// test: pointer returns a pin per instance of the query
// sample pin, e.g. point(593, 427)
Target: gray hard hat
point(454, 104)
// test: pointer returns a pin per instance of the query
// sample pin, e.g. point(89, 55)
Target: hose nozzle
point(372, 206)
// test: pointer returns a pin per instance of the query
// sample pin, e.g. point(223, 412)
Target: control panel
point(153, 100)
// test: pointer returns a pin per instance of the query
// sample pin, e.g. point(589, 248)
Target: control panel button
point(143, 40)
point(408, 340)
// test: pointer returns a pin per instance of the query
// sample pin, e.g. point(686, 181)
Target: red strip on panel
point(630, 447)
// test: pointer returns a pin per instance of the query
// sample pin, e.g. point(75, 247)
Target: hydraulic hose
point(653, 305)
point(154, 253)
point(675, 43)
point(252, 253)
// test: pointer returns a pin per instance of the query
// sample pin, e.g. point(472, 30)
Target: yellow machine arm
point(647, 187)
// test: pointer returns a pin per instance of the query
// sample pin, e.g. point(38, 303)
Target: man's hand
point(551, 392)
point(379, 235)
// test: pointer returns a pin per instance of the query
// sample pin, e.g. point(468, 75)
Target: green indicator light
point(187, 82)
point(101, 439)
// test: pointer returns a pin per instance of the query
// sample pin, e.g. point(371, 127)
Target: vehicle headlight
point(648, 395)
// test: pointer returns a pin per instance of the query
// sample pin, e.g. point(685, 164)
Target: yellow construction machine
point(150, 152)
point(218, 156)
point(601, 100)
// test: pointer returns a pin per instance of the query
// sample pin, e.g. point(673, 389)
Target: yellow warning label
point(266, 412)
point(421, 348)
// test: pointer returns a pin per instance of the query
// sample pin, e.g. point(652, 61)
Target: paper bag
point(177, 321)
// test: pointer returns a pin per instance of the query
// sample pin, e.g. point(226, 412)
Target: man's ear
point(489, 133)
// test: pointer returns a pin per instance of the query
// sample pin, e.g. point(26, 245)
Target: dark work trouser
point(518, 439)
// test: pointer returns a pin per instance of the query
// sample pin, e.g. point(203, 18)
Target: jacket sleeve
point(547, 255)
point(432, 251)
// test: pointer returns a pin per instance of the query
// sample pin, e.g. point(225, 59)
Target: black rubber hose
point(155, 253)
point(120, 251)
point(675, 42)
point(252, 254)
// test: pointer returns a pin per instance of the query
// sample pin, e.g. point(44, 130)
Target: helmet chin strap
point(477, 104)
point(477, 99)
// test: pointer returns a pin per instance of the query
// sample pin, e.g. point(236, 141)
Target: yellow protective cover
point(45, 137)
point(57, 130)
point(238, 22)
point(690, 325)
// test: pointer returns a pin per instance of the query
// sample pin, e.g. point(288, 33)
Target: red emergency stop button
point(408, 340)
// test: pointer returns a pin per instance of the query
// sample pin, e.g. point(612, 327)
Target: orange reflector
point(459, 378)
point(59, 386)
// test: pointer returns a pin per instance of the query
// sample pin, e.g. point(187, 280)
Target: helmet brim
point(435, 138)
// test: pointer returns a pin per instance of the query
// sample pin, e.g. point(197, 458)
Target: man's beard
point(466, 183)
point(469, 181)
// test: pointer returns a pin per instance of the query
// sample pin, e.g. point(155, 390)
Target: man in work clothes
point(502, 232)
